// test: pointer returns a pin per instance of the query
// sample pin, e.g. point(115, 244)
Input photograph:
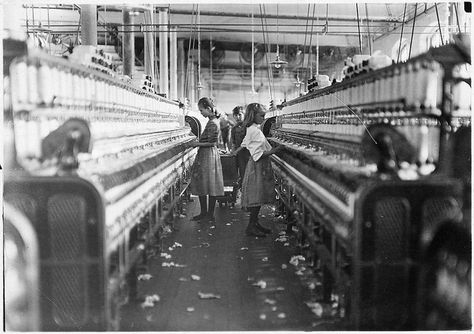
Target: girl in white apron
point(258, 185)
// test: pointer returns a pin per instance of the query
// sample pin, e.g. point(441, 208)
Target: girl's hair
point(250, 112)
point(206, 102)
point(237, 110)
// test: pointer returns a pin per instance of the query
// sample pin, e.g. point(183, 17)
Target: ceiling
point(285, 23)
point(340, 30)
point(268, 23)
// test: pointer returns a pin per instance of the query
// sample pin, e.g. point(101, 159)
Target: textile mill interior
point(236, 166)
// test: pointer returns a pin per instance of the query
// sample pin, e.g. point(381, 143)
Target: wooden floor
point(258, 289)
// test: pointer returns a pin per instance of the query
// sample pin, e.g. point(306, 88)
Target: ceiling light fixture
point(298, 82)
point(278, 62)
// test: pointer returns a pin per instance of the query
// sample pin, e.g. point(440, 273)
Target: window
point(431, 37)
point(403, 50)
point(433, 40)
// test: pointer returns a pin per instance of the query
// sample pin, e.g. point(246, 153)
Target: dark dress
point(206, 173)
point(238, 134)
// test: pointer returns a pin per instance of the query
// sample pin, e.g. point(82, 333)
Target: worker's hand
point(276, 149)
point(237, 150)
point(191, 144)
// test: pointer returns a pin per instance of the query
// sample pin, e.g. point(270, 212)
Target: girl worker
point(258, 186)
point(206, 173)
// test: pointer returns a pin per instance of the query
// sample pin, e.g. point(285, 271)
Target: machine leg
point(113, 321)
point(328, 283)
point(132, 283)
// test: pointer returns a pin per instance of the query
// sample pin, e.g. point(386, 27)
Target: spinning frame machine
point(375, 173)
point(97, 166)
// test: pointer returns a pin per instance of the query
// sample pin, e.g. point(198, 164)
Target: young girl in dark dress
point(206, 173)
point(258, 186)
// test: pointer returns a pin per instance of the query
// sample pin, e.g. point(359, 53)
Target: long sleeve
point(232, 137)
point(210, 133)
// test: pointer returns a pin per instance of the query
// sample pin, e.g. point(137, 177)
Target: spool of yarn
point(322, 80)
point(379, 60)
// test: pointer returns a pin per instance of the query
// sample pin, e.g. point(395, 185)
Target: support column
point(128, 43)
point(444, 17)
point(173, 64)
point(164, 80)
point(89, 25)
point(149, 42)
point(13, 16)
point(181, 73)
point(192, 81)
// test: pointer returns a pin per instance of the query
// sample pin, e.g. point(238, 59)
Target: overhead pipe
point(407, 21)
point(218, 25)
point(215, 30)
point(284, 17)
point(210, 13)
point(89, 25)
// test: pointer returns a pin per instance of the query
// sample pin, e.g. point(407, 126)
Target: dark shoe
point(263, 228)
point(254, 232)
point(200, 216)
